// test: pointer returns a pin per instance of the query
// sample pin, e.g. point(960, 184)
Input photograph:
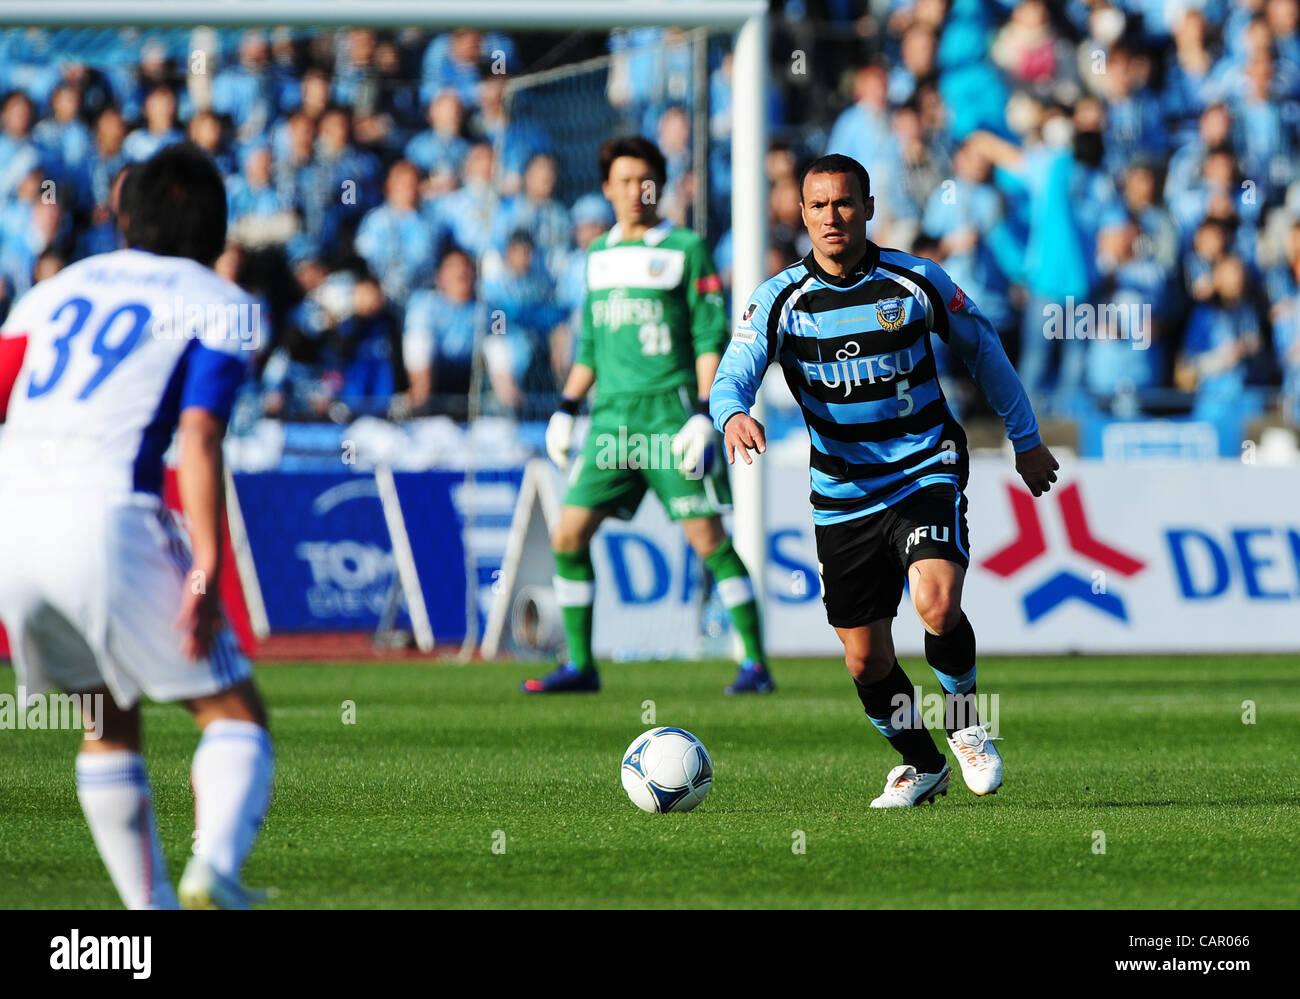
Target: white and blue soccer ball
point(666, 770)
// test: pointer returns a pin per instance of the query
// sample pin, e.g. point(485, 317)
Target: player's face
point(836, 215)
point(632, 190)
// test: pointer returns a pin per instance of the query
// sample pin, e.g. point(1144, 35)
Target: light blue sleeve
point(754, 344)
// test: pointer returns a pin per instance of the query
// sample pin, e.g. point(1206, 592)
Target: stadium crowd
point(1114, 183)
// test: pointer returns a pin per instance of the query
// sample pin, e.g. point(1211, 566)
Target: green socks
point(575, 592)
point(737, 594)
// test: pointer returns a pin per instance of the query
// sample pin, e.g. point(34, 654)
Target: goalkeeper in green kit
point(653, 330)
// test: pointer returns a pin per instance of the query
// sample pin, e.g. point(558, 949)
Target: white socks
point(231, 774)
point(114, 794)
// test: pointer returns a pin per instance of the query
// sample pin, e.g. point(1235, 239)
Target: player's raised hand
point(199, 618)
point(1038, 468)
point(743, 434)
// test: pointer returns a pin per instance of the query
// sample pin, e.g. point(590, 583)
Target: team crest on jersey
point(657, 265)
point(891, 313)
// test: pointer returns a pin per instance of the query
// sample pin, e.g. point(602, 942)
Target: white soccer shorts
point(89, 593)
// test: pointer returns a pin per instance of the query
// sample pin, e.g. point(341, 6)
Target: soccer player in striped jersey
point(101, 592)
point(653, 329)
point(850, 327)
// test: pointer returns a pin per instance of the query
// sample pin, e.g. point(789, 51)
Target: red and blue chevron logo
point(1030, 544)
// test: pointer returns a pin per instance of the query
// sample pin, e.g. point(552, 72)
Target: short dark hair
point(638, 148)
point(178, 205)
point(837, 163)
point(129, 191)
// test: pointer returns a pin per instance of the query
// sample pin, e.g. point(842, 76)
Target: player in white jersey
point(101, 592)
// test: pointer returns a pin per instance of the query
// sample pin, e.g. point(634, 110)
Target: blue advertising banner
point(324, 558)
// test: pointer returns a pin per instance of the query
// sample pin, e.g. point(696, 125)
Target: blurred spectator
point(302, 375)
point(1285, 316)
point(651, 69)
point(1134, 123)
point(370, 348)
point(1124, 351)
point(258, 214)
point(104, 233)
point(1268, 127)
point(292, 167)
point(29, 225)
point(396, 239)
point(526, 330)
point(1188, 74)
point(134, 84)
point(964, 215)
point(159, 126)
point(438, 338)
point(205, 131)
point(1026, 48)
point(246, 93)
point(65, 142)
point(1222, 334)
point(19, 155)
point(467, 213)
point(457, 60)
point(340, 185)
point(921, 168)
point(440, 150)
point(513, 142)
point(863, 132)
point(536, 212)
point(1057, 255)
point(1214, 131)
point(1209, 245)
point(591, 216)
point(916, 64)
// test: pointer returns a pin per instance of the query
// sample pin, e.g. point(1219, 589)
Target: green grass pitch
point(446, 762)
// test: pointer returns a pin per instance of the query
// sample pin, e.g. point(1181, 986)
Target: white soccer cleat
point(203, 888)
point(981, 766)
point(904, 787)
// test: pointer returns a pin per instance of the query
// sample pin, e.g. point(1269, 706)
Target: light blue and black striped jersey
point(856, 354)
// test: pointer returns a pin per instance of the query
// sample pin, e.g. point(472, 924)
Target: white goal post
point(748, 19)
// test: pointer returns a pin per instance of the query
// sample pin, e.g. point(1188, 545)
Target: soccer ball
point(666, 770)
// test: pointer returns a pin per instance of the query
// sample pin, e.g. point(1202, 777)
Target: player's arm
point(212, 380)
point(706, 369)
point(972, 337)
point(13, 345)
point(199, 478)
point(754, 345)
point(708, 319)
point(12, 349)
point(709, 326)
point(582, 376)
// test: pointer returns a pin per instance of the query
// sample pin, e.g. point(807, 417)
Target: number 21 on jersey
point(656, 338)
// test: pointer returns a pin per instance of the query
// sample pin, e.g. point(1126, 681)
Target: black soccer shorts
point(863, 562)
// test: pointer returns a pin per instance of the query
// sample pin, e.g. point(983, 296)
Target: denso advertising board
point(1166, 557)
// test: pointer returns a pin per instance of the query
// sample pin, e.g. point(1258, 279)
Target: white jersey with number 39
point(117, 345)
